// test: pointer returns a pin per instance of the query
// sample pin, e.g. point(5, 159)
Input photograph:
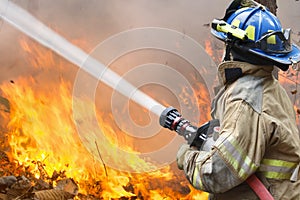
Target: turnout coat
point(258, 134)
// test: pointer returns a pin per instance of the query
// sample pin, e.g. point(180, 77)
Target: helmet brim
point(286, 59)
point(219, 35)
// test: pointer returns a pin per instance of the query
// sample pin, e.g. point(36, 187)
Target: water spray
point(32, 27)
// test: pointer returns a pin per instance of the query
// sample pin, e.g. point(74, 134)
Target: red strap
point(259, 188)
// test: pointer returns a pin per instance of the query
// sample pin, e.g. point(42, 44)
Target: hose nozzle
point(170, 118)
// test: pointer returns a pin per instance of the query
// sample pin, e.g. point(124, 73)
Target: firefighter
point(258, 133)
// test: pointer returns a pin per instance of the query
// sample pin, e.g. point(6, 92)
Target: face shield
point(278, 42)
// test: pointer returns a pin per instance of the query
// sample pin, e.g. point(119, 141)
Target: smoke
point(95, 21)
point(89, 23)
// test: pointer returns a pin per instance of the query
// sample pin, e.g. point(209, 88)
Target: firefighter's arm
point(235, 155)
point(205, 172)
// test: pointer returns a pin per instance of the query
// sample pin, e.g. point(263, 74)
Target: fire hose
point(196, 137)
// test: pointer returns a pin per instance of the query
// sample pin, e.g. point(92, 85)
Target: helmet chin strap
point(229, 44)
point(227, 52)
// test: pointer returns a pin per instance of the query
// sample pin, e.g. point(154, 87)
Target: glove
point(181, 155)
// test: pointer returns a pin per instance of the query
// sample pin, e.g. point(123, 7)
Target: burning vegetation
point(42, 156)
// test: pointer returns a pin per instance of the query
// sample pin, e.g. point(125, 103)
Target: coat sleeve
point(235, 155)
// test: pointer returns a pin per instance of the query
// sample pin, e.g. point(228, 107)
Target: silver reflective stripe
point(197, 183)
point(277, 169)
point(237, 158)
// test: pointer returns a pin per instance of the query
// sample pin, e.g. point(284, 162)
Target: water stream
point(32, 27)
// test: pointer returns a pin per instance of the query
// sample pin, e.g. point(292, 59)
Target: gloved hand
point(181, 154)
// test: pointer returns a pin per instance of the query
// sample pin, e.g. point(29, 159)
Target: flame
point(290, 81)
point(43, 137)
point(202, 100)
point(42, 60)
point(213, 50)
point(208, 48)
point(42, 129)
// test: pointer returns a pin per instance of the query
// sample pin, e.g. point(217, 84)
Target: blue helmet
point(265, 39)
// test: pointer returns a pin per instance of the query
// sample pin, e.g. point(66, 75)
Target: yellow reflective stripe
point(278, 163)
point(236, 22)
point(234, 157)
point(248, 167)
point(243, 165)
point(246, 158)
point(271, 39)
point(252, 166)
point(277, 175)
point(277, 169)
point(250, 30)
point(196, 180)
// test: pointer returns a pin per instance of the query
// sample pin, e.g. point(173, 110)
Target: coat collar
point(229, 71)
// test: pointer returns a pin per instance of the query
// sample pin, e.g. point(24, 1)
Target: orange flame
point(290, 81)
point(213, 50)
point(42, 129)
point(208, 48)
